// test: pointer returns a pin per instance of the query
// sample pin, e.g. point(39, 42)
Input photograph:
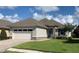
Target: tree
point(68, 27)
point(3, 34)
point(68, 30)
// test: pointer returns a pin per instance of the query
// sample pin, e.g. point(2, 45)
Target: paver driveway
point(5, 44)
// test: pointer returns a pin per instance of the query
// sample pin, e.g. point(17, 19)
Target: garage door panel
point(21, 35)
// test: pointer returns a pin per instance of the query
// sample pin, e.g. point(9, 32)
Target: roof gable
point(50, 22)
point(28, 23)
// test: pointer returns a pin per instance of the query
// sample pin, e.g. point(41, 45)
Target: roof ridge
point(29, 22)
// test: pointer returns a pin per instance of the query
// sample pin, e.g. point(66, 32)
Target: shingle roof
point(4, 23)
point(34, 23)
point(28, 23)
point(51, 23)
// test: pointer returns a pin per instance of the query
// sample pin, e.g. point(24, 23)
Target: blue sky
point(62, 14)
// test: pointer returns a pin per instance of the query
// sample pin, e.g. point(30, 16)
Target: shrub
point(69, 38)
point(3, 35)
point(61, 37)
point(74, 35)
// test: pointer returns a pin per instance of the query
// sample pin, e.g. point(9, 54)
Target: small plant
point(69, 38)
point(3, 35)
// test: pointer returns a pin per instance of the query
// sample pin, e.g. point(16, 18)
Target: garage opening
point(22, 34)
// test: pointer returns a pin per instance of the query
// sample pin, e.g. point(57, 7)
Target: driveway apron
point(5, 44)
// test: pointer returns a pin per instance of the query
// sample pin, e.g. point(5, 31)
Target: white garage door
point(21, 35)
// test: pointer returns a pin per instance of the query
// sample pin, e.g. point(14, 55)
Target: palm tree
point(68, 30)
point(68, 27)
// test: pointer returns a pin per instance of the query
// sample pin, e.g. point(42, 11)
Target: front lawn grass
point(52, 45)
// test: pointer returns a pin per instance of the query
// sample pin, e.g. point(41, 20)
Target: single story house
point(33, 29)
point(28, 29)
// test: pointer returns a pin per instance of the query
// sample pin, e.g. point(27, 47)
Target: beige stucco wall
point(55, 32)
point(0, 30)
point(36, 33)
point(39, 32)
point(8, 33)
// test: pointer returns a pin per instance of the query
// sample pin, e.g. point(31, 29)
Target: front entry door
point(50, 32)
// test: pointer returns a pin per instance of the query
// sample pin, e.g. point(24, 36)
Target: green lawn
point(53, 45)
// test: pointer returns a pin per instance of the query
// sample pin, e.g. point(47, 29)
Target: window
point(15, 29)
point(19, 29)
point(30, 29)
point(24, 29)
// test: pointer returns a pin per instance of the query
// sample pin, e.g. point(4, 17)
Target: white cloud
point(49, 17)
point(59, 18)
point(10, 18)
point(64, 19)
point(56, 19)
point(70, 19)
point(40, 16)
point(47, 8)
point(14, 18)
point(76, 16)
point(76, 19)
point(9, 7)
point(1, 16)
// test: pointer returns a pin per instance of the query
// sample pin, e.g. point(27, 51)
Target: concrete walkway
point(6, 44)
point(23, 50)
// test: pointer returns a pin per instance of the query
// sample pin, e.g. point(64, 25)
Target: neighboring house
point(32, 29)
point(4, 25)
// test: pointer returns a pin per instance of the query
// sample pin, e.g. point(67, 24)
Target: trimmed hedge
point(3, 35)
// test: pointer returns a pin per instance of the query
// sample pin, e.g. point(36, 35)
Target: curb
point(23, 50)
